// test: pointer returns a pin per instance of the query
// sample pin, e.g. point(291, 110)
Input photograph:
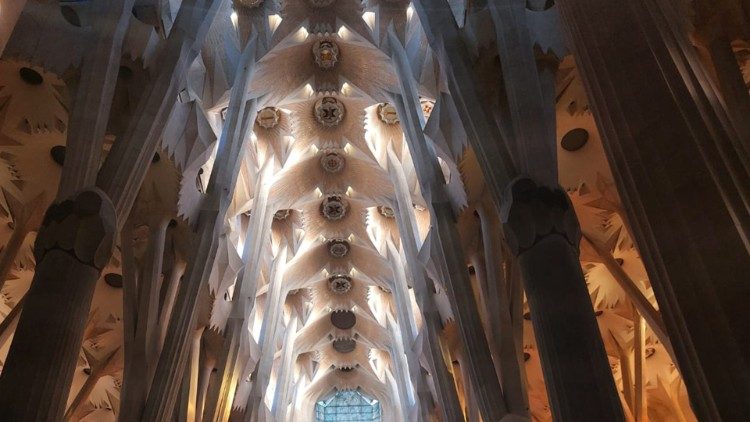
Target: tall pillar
point(449, 255)
point(508, 356)
point(449, 405)
point(732, 87)
point(174, 355)
point(74, 244)
point(542, 231)
point(683, 184)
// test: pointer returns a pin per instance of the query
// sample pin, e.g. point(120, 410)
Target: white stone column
point(444, 385)
point(446, 241)
point(240, 116)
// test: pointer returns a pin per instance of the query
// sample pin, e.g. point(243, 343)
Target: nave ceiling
point(314, 208)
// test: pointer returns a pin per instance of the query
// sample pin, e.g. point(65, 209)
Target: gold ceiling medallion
point(338, 248)
point(334, 207)
point(268, 118)
point(326, 54)
point(387, 114)
point(340, 284)
point(427, 107)
point(332, 162)
point(329, 111)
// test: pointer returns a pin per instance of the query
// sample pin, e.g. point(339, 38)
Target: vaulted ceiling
point(311, 236)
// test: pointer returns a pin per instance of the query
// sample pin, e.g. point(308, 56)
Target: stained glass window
point(347, 406)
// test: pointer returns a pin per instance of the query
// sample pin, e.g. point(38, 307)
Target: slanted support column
point(449, 405)
point(88, 119)
point(174, 355)
point(509, 360)
point(684, 187)
point(449, 255)
point(73, 246)
point(542, 231)
point(732, 87)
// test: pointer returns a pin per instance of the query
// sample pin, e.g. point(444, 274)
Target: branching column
point(684, 188)
point(174, 356)
point(450, 407)
point(541, 228)
point(447, 242)
point(73, 246)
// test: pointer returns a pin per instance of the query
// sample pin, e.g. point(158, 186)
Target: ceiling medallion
point(329, 111)
point(321, 3)
point(338, 248)
point(325, 53)
point(387, 114)
point(343, 320)
point(427, 106)
point(281, 214)
point(332, 162)
point(268, 118)
point(386, 212)
point(334, 207)
point(340, 284)
point(344, 345)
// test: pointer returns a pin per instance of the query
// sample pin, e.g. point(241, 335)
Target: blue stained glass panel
point(347, 406)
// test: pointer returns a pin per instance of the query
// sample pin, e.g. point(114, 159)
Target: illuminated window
point(347, 406)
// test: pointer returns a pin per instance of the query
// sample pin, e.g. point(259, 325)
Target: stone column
point(74, 244)
point(509, 360)
point(93, 99)
point(450, 407)
point(683, 184)
point(174, 354)
point(448, 254)
point(732, 87)
point(542, 230)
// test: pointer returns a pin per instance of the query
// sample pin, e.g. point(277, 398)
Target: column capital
point(531, 213)
point(84, 226)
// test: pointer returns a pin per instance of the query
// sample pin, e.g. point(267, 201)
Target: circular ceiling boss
point(334, 207)
point(332, 162)
point(344, 345)
point(329, 111)
point(386, 212)
point(343, 320)
point(340, 284)
point(325, 53)
point(338, 248)
point(387, 114)
point(268, 117)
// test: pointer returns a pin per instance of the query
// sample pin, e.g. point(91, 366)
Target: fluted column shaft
point(73, 246)
point(445, 387)
point(174, 355)
point(732, 87)
point(449, 255)
point(684, 185)
point(541, 228)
